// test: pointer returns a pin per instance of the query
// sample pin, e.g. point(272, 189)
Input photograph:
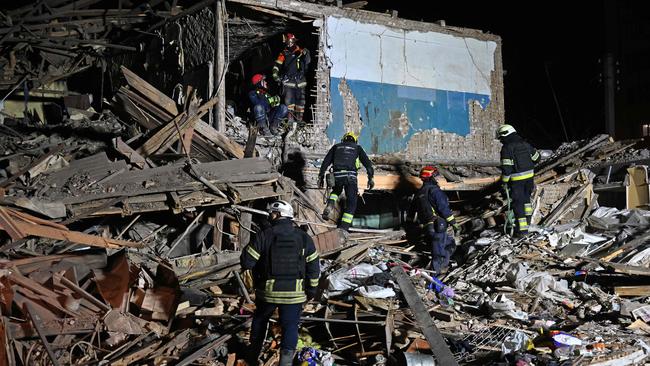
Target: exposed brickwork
point(433, 145)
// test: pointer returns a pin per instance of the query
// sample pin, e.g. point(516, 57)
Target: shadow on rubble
point(293, 168)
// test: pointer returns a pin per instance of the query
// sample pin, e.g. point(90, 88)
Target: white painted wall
point(376, 53)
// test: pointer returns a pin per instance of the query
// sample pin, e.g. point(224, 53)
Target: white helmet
point(281, 207)
point(505, 130)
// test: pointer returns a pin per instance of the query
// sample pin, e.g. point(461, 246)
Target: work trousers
point(289, 321)
point(294, 98)
point(520, 191)
point(346, 181)
point(272, 119)
point(442, 245)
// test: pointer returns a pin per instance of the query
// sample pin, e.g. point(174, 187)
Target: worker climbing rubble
point(346, 158)
point(518, 160)
point(267, 109)
point(434, 215)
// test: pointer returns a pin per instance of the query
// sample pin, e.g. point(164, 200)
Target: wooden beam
point(632, 291)
point(392, 181)
point(244, 227)
point(50, 230)
point(220, 75)
point(436, 341)
point(249, 150)
point(165, 137)
point(169, 106)
point(150, 91)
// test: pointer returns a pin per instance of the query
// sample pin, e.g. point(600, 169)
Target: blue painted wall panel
point(382, 104)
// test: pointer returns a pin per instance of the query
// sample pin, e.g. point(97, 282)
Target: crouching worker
point(267, 109)
point(285, 271)
point(434, 215)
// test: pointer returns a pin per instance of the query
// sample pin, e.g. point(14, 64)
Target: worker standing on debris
point(346, 158)
point(267, 109)
point(289, 71)
point(434, 215)
point(285, 272)
point(518, 160)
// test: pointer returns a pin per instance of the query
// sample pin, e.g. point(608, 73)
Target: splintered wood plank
point(136, 113)
point(632, 291)
point(168, 105)
point(48, 230)
point(249, 151)
point(150, 91)
point(244, 232)
point(219, 139)
point(164, 137)
point(436, 341)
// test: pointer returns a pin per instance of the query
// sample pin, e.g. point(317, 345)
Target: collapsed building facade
point(132, 178)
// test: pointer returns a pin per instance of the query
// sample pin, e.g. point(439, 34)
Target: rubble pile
point(117, 253)
point(121, 232)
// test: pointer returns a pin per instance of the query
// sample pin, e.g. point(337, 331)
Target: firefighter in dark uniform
point(289, 69)
point(434, 215)
point(346, 158)
point(267, 109)
point(518, 160)
point(285, 272)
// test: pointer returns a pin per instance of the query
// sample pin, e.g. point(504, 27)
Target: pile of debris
point(122, 231)
point(97, 270)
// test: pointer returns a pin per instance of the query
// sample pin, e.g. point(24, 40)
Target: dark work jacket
point(282, 278)
point(292, 64)
point(347, 156)
point(518, 159)
point(260, 97)
point(430, 202)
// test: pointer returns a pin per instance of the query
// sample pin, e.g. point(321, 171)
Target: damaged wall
point(429, 93)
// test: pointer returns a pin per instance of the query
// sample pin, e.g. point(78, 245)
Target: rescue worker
point(267, 109)
point(289, 71)
point(285, 271)
point(434, 215)
point(346, 158)
point(518, 160)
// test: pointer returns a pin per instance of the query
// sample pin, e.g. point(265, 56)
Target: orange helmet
point(428, 171)
point(257, 78)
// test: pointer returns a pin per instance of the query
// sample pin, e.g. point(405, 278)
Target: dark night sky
point(536, 37)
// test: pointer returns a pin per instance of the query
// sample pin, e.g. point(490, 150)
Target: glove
point(321, 181)
point(274, 101)
point(371, 183)
point(311, 293)
point(456, 227)
point(247, 278)
point(504, 186)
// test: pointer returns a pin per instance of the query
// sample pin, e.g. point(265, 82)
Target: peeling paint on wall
point(420, 94)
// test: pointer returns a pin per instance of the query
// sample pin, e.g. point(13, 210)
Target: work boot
point(286, 357)
point(264, 131)
point(328, 210)
point(519, 234)
point(344, 226)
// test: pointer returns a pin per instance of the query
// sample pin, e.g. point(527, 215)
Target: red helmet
point(257, 78)
point(428, 171)
point(289, 37)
